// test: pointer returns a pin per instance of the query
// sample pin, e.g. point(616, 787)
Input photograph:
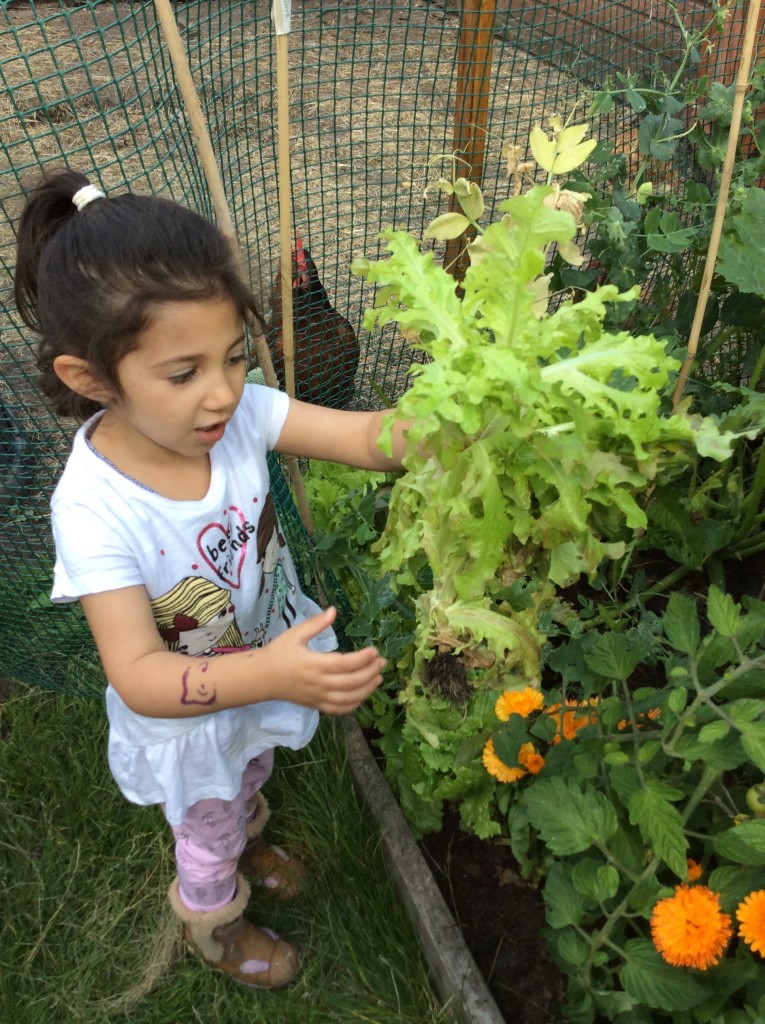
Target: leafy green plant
point(543, 462)
point(646, 772)
point(540, 432)
point(648, 226)
point(613, 737)
point(350, 507)
point(651, 210)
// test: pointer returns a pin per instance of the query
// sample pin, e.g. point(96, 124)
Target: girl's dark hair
point(87, 281)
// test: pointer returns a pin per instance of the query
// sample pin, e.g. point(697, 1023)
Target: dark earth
point(501, 918)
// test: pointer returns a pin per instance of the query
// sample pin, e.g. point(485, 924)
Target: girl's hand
point(333, 683)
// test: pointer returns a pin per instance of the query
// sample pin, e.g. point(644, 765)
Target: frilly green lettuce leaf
point(531, 443)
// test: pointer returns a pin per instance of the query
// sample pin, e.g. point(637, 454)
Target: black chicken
point(326, 346)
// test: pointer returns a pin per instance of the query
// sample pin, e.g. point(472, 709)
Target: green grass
point(86, 934)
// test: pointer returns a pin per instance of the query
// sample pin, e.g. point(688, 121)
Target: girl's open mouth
point(211, 434)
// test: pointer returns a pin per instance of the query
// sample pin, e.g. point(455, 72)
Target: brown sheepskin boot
point(267, 865)
point(255, 957)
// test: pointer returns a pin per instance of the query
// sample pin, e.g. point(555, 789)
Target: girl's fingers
point(341, 663)
point(352, 689)
point(314, 625)
point(358, 661)
point(336, 666)
point(346, 702)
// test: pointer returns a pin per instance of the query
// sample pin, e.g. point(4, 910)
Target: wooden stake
point(742, 82)
point(196, 118)
point(201, 134)
point(285, 211)
point(474, 54)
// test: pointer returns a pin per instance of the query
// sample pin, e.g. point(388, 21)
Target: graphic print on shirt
point(275, 583)
point(224, 547)
point(196, 616)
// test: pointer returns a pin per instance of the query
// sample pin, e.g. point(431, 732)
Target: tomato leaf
point(660, 825)
point(653, 982)
point(569, 819)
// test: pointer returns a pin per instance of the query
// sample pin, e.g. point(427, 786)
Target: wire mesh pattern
point(372, 84)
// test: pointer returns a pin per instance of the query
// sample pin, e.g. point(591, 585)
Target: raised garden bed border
point(454, 974)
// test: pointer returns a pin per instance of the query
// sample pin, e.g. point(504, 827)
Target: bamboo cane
point(285, 212)
point(742, 81)
point(200, 131)
point(474, 54)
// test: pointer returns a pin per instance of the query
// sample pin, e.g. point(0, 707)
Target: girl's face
point(183, 382)
point(203, 638)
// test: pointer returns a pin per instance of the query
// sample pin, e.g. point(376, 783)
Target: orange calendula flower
point(695, 870)
point(498, 768)
point(651, 715)
point(569, 723)
point(518, 702)
point(751, 918)
point(530, 758)
point(689, 929)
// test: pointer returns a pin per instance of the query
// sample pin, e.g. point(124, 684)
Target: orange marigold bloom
point(695, 870)
point(689, 929)
point(498, 768)
point(530, 758)
point(751, 918)
point(651, 715)
point(569, 723)
point(518, 702)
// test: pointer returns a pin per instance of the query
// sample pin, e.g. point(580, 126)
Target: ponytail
point(48, 209)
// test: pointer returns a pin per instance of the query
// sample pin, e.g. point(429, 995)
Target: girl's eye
point(183, 378)
point(235, 360)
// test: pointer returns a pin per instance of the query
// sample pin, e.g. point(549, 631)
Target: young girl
point(166, 533)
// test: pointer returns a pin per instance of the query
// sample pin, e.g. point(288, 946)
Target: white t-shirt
point(219, 577)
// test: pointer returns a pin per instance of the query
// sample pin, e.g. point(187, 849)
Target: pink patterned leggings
point(212, 836)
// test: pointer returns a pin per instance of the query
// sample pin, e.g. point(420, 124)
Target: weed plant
point(86, 933)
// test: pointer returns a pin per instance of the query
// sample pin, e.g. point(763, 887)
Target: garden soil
point(501, 917)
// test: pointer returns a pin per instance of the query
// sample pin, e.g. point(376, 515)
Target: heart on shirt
point(224, 547)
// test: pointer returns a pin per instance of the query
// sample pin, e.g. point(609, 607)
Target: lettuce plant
point(533, 436)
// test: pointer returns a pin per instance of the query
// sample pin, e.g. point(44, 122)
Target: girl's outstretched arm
point(162, 684)
point(314, 432)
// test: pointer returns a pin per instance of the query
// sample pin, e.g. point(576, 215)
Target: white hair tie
point(86, 195)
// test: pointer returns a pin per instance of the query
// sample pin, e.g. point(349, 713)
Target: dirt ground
point(501, 918)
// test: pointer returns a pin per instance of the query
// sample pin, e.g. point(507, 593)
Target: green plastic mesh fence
point(372, 101)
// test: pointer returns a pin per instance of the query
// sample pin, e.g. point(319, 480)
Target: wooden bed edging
point(454, 974)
